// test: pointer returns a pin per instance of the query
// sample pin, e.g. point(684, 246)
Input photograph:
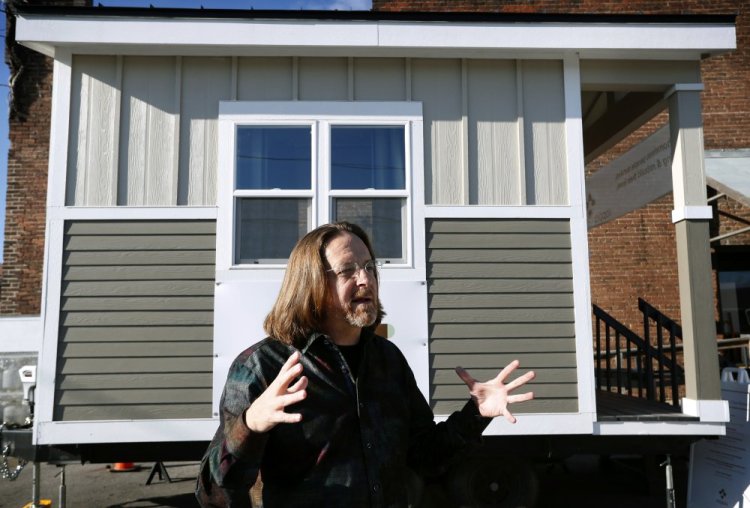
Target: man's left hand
point(493, 397)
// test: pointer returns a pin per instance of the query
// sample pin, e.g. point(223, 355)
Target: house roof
point(370, 33)
point(728, 171)
point(361, 15)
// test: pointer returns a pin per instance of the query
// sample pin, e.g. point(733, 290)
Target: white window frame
point(321, 116)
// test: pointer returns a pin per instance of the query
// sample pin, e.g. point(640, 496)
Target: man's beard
point(362, 315)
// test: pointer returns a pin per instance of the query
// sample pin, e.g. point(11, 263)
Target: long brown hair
point(301, 305)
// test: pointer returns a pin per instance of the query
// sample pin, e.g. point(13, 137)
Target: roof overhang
point(317, 33)
point(728, 171)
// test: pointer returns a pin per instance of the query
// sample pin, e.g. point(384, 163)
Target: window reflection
point(367, 157)
point(270, 157)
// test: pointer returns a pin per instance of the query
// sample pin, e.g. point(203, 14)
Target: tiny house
point(190, 150)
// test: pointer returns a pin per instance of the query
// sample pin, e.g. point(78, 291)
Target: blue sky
point(192, 4)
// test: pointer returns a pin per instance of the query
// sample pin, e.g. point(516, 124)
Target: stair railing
point(635, 358)
point(662, 324)
point(635, 350)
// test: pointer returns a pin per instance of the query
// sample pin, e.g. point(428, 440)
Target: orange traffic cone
point(123, 467)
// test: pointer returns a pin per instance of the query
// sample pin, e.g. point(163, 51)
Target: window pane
point(365, 157)
point(267, 229)
point(382, 218)
point(273, 157)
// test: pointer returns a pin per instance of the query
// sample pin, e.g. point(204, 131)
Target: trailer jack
point(667, 465)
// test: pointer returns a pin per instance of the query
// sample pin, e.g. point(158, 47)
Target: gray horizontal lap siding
point(136, 320)
point(501, 289)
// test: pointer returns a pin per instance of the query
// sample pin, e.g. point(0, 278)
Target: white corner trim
point(692, 213)
point(684, 87)
point(707, 410)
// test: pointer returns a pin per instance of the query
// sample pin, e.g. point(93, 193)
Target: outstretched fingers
point(290, 391)
point(289, 387)
point(291, 369)
point(507, 371)
point(521, 397)
point(521, 380)
point(294, 394)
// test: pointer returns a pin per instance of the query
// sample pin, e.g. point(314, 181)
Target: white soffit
point(728, 171)
point(210, 36)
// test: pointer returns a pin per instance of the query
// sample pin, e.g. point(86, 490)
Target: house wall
point(143, 129)
point(635, 255)
point(143, 132)
point(136, 323)
point(501, 290)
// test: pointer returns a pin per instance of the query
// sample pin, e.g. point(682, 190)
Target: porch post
point(690, 217)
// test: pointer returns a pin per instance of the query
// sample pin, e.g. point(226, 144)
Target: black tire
point(503, 482)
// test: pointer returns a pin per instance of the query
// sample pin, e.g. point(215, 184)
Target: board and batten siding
point(136, 322)
point(501, 290)
point(143, 128)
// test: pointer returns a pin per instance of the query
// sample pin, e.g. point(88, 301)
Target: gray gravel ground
point(94, 486)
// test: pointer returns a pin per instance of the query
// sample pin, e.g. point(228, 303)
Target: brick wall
point(29, 126)
point(635, 255)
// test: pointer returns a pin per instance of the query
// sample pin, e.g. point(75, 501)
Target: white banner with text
point(641, 175)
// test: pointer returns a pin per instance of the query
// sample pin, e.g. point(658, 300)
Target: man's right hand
point(267, 411)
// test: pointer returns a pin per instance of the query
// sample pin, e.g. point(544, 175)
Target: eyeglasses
point(350, 270)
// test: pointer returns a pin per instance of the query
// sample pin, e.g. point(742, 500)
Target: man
point(328, 411)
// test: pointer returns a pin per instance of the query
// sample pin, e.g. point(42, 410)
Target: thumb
point(465, 377)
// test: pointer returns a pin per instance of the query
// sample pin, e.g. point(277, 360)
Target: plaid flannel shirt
point(358, 440)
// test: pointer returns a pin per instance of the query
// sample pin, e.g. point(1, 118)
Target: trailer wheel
point(485, 483)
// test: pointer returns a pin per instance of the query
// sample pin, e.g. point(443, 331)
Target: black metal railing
point(631, 365)
point(653, 318)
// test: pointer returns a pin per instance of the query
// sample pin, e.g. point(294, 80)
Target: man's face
point(352, 299)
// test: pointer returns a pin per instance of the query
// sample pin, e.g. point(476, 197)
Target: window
point(370, 159)
point(271, 158)
point(295, 171)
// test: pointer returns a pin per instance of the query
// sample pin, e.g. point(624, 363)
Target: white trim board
point(313, 110)
point(134, 213)
point(499, 212)
point(140, 35)
point(125, 431)
point(579, 247)
point(538, 424)
point(664, 428)
point(203, 429)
